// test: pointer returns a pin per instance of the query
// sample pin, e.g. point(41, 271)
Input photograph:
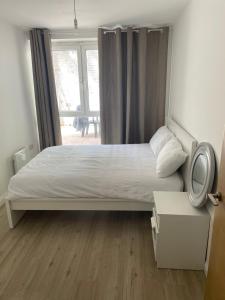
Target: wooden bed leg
point(14, 216)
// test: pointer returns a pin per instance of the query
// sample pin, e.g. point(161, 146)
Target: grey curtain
point(44, 86)
point(133, 67)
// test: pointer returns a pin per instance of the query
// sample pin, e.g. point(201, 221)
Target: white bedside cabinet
point(179, 231)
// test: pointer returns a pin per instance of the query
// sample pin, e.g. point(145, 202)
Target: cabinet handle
point(154, 224)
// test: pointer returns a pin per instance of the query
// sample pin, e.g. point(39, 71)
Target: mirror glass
point(199, 174)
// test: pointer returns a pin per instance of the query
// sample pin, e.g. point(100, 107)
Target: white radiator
point(20, 159)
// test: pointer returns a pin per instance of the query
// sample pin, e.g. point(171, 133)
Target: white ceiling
point(56, 14)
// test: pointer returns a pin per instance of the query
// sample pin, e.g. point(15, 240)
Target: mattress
point(93, 172)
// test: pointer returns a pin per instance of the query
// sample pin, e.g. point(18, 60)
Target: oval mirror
point(201, 175)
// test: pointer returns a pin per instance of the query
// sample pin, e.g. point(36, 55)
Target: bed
point(95, 177)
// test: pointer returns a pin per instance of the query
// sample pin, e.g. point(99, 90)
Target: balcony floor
point(70, 136)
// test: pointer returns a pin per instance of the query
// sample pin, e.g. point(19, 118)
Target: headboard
point(188, 143)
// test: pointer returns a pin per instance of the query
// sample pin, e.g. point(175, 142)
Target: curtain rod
point(135, 30)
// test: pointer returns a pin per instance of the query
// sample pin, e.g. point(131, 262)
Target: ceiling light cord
point(75, 15)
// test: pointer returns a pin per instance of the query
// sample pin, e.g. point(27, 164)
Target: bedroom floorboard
point(87, 255)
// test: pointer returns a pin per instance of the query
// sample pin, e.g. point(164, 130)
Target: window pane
point(93, 79)
point(67, 79)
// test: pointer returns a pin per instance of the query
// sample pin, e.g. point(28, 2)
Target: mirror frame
point(198, 200)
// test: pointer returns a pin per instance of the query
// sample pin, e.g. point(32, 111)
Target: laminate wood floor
point(87, 255)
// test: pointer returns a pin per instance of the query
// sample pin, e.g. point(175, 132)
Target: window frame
point(81, 47)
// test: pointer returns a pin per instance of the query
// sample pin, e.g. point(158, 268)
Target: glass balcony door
point(77, 86)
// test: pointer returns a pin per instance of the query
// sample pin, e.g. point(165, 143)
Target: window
point(77, 86)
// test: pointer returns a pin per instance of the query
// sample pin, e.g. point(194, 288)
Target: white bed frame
point(17, 208)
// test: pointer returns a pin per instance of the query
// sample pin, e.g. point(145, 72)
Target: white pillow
point(170, 158)
point(159, 139)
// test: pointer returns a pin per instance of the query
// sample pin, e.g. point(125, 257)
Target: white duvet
point(95, 171)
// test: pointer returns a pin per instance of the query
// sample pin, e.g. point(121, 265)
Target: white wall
point(197, 92)
point(17, 112)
